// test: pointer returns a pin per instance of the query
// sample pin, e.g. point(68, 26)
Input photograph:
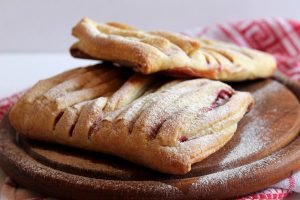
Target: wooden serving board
point(264, 150)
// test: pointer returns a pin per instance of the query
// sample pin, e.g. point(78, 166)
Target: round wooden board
point(264, 150)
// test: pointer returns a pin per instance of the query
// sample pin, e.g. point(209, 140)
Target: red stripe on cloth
point(228, 34)
point(203, 31)
point(295, 26)
point(292, 183)
point(286, 35)
point(7, 103)
point(268, 194)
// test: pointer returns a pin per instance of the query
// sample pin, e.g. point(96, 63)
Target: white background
point(35, 34)
point(45, 25)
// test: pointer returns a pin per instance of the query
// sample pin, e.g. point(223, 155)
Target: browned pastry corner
point(166, 126)
point(172, 53)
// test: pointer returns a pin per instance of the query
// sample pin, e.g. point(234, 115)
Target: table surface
point(20, 71)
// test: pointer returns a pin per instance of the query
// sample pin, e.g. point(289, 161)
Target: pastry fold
point(172, 53)
point(163, 125)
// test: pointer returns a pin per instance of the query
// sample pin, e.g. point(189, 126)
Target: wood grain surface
point(264, 150)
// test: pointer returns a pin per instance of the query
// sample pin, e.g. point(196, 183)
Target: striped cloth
point(280, 37)
point(277, 36)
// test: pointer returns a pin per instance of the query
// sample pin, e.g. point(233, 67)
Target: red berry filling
point(222, 97)
point(183, 138)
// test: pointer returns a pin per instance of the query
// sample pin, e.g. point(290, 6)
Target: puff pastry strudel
point(172, 53)
point(166, 126)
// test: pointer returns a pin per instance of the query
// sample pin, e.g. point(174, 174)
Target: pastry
point(163, 125)
point(172, 53)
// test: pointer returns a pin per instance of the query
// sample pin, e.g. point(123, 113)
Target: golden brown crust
point(166, 127)
point(150, 52)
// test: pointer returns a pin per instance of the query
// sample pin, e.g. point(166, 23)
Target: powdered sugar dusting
point(246, 147)
point(242, 174)
point(256, 133)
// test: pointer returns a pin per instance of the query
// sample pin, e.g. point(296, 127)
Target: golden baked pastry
point(150, 52)
point(163, 125)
